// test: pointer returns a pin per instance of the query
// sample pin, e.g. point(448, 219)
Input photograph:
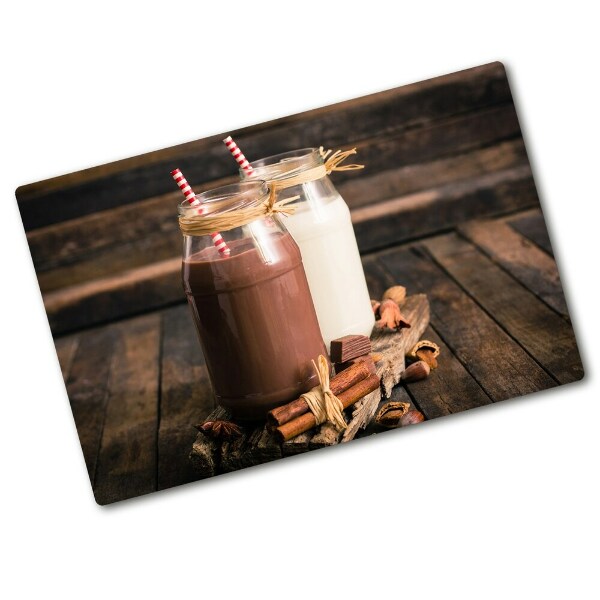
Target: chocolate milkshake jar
point(251, 305)
point(322, 228)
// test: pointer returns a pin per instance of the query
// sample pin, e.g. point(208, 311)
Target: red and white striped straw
point(185, 187)
point(238, 155)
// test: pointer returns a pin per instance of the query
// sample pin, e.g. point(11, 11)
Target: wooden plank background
point(105, 241)
point(446, 206)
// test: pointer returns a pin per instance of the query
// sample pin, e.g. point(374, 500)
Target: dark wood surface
point(446, 205)
point(372, 121)
point(105, 241)
point(138, 385)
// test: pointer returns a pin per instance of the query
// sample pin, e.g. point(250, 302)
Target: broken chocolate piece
point(348, 347)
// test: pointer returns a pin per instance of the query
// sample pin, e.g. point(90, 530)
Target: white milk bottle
point(323, 230)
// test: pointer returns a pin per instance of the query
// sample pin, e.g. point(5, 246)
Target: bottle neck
point(222, 200)
point(284, 166)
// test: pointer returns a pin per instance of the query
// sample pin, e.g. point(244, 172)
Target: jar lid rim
point(230, 197)
point(285, 164)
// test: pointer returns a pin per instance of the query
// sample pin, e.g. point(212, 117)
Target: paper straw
point(185, 187)
point(238, 155)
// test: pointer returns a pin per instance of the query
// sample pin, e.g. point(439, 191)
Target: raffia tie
point(331, 162)
point(204, 224)
point(322, 402)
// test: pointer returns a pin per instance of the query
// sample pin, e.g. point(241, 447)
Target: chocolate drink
point(256, 322)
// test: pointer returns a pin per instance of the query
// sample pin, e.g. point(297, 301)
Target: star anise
point(219, 430)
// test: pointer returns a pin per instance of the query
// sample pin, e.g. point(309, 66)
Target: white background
point(496, 503)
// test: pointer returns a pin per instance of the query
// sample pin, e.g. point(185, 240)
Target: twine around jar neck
point(331, 162)
point(198, 224)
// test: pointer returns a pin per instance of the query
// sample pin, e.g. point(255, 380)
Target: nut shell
point(391, 413)
point(397, 293)
point(416, 372)
point(424, 344)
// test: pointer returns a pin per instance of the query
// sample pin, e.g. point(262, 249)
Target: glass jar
point(252, 308)
point(322, 228)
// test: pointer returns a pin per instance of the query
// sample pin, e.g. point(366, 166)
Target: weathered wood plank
point(377, 277)
point(118, 239)
point(386, 223)
point(393, 346)
point(444, 138)
point(440, 209)
point(384, 113)
point(297, 445)
point(127, 461)
point(545, 335)
point(263, 447)
point(152, 286)
point(404, 179)
point(65, 351)
point(363, 412)
point(521, 258)
point(233, 455)
point(449, 389)
point(114, 240)
point(87, 386)
point(205, 454)
point(532, 226)
point(185, 396)
point(111, 261)
point(500, 366)
point(89, 237)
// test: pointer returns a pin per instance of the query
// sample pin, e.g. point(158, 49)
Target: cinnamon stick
point(307, 421)
point(338, 384)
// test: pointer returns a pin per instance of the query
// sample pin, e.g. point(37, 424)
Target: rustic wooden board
point(85, 248)
point(449, 389)
point(87, 388)
point(65, 350)
point(500, 365)
point(533, 226)
point(378, 278)
point(546, 336)
point(404, 179)
point(440, 209)
point(127, 462)
point(257, 446)
point(91, 236)
point(140, 177)
point(439, 139)
point(390, 222)
point(114, 267)
point(205, 455)
point(494, 332)
point(185, 396)
point(112, 259)
point(127, 293)
point(525, 261)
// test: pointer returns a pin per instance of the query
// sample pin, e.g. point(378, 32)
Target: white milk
point(323, 230)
